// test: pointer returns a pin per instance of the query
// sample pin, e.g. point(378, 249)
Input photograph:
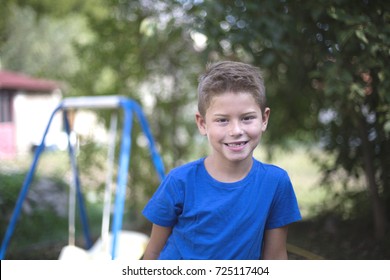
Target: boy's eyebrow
point(250, 112)
point(224, 115)
point(219, 114)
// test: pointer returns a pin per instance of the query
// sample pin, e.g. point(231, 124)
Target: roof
point(17, 81)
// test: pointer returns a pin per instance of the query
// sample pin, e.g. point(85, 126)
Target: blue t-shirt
point(215, 220)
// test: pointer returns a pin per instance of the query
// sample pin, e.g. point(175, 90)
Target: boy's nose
point(235, 129)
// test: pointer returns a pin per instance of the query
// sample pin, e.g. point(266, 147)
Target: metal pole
point(124, 161)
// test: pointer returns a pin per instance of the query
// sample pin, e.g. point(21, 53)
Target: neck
point(227, 171)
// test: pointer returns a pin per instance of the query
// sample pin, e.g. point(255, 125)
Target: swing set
point(117, 243)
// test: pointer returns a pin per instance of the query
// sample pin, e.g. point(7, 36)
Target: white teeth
point(236, 144)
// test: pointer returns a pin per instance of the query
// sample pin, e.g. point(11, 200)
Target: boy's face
point(233, 124)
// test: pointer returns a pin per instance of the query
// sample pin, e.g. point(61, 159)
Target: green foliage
point(126, 48)
point(145, 53)
point(41, 227)
point(42, 46)
point(9, 190)
point(327, 76)
point(29, 227)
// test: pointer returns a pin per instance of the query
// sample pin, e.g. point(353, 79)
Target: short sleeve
point(284, 208)
point(166, 203)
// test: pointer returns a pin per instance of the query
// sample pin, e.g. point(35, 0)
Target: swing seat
point(131, 246)
point(71, 252)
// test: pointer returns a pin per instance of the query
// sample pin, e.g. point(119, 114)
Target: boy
point(227, 205)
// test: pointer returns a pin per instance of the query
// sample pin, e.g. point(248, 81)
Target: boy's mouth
point(236, 144)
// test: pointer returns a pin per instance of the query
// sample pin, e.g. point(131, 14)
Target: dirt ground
point(338, 240)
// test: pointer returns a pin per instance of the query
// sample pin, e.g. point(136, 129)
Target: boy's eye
point(248, 118)
point(222, 120)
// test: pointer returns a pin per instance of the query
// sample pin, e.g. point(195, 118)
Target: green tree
point(327, 75)
point(128, 48)
point(42, 46)
point(145, 52)
point(58, 9)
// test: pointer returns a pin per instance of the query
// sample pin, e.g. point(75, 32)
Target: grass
point(37, 234)
point(305, 177)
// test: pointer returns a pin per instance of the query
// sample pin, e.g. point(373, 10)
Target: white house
point(26, 105)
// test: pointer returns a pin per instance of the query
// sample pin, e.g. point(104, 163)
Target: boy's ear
point(266, 114)
point(201, 123)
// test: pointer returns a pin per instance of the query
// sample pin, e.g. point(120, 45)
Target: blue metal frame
point(129, 107)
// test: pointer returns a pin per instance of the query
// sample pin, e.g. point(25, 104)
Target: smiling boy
point(227, 205)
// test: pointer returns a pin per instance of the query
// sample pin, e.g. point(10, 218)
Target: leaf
point(360, 34)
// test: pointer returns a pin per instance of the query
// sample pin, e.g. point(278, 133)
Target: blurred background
point(326, 69)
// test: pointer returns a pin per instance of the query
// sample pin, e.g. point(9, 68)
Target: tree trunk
point(380, 221)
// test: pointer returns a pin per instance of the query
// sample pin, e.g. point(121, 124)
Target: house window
point(5, 106)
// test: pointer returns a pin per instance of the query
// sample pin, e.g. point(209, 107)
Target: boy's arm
point(158, 238)
point(274, 247)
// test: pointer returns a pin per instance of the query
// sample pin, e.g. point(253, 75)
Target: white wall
point(32, 113)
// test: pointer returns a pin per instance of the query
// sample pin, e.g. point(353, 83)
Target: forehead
point(233, 100)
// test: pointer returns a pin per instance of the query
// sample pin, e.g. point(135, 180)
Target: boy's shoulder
point(186, 168)
point(271, 168)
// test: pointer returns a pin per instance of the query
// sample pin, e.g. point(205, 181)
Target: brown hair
point(230, 76)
